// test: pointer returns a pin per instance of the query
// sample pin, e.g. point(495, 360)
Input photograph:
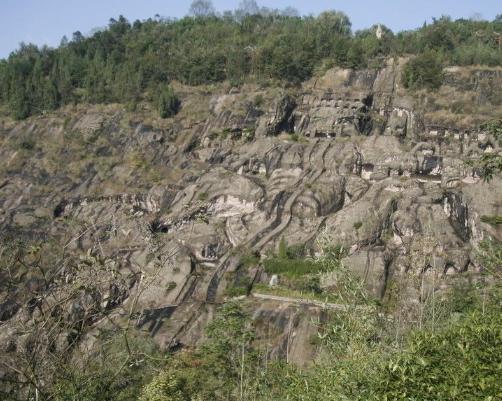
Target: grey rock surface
point(156, 214)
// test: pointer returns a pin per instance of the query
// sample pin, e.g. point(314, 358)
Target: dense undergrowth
point(458, 359)
point(130, 62)
point(447, 348)
point(450, 350)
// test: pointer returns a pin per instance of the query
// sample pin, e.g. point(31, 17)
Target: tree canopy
point(129, 61)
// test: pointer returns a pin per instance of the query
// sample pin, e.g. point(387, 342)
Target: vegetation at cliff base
point(457, 359)
point(446, 349)
point(128, 62)
point(199, 223)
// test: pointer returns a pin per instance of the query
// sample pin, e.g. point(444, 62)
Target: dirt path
point(301, 301)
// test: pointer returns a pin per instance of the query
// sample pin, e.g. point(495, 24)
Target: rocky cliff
point(126, 220)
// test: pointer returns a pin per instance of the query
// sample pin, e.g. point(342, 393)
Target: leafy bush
point(291, 267)
point(295, 251)
point(494, 127)
point(423, 71)
point(167, 386)
point(113, 375)
point(458, 360)
point(488, 165)
point(461, 362)
point(249, 259)
point(490, 255)
point(167, 102)
point(224, 366)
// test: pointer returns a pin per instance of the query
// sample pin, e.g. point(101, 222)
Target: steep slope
point(124, 220)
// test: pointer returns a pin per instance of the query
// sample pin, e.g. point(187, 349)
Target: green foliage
point(77, 386)
point(113, 374)
point(295, 251)
point(291, 267)
point(167, 386)
point(333, 253)
point(258, 101)
point(462, 361)
point(463, 298)
point(202, 196)
point(249, 259)
point(239, 282)
point(222, 369)
point(170, 286)
point(494, 127)
point(167, 102)
point(301, 275)
point(283, 249)
point(292, 255)
point(489, 164)
point(126, 61)
point(423, 71)
point(490, 255)
point(458, 359)
point(27, 143)
point(237, 291)
point(492, 220)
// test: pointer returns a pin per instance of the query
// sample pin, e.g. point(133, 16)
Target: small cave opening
point(368, 101)
point(157, 226)
point(59, 209)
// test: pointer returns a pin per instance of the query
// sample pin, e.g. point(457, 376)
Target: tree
point(167, 102)
point(248, 7)
point(221, 369)
point(64, 41)
point(424, 71)
point(121, 62)
point(167, 386)
point(332, 28)
point(201, 9)
point(290, 12)
point(77, 37)
point(335, 22)
point(460, 362)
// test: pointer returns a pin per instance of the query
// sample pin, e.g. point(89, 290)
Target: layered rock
point(162, 211)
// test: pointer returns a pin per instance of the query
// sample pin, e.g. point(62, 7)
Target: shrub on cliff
point(167, 102)
point(424, 71)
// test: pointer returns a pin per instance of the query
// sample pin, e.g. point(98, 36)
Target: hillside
point(127, 62)
point(262, 241)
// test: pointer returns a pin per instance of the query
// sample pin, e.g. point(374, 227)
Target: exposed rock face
point(164, 210)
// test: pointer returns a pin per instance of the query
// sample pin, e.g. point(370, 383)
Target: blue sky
point(46, 21)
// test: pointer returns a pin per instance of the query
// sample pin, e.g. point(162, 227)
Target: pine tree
point(167, 102)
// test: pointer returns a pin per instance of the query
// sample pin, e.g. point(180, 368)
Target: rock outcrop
point(154, 215)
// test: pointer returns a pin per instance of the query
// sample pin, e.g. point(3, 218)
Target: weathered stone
point(156, 216)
